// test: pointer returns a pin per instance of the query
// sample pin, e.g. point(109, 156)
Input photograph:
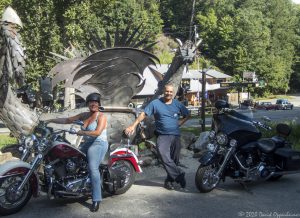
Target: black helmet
point(93, 97)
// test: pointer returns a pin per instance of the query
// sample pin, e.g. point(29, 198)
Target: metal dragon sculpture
point(116, 73)
point(16, 115)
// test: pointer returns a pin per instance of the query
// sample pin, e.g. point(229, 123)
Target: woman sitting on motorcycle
point(95, 143)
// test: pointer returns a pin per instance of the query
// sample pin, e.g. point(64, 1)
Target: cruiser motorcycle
point(236, 150)
point(51, 164)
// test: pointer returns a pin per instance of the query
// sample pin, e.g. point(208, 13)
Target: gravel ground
point(187, 163)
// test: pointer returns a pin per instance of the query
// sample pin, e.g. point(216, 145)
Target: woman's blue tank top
point(91, 127)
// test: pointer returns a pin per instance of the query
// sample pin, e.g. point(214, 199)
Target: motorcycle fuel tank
point(62, 150)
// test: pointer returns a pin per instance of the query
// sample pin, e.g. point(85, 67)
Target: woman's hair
point(93, 97)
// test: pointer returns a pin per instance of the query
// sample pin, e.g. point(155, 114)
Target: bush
point(294, 137)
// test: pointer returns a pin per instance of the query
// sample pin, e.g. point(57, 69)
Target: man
point(167, 113)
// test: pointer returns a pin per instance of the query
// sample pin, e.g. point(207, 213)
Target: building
point(191, 83)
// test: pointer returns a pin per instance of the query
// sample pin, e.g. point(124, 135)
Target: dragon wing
point(117, 74)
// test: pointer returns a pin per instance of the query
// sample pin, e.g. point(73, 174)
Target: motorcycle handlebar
point(264, 126)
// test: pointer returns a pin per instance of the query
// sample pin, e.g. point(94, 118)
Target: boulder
point(201, 142)
point(187, 139)
point(5, 157)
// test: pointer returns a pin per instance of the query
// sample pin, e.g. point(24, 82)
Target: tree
point(40, 35)
point(251, 35)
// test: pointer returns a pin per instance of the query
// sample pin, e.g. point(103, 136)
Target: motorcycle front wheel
point(205, 178)
point(12, 201)
point(126, 176)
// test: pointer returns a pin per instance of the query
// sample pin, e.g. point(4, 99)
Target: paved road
point(147, 198)
point(274, 115)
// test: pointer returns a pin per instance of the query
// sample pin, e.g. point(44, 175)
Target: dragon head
point(11, 16)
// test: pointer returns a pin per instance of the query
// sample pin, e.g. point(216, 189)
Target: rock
point(146, 161)
point(199, 154)
point(201, 142)
point(185, 152)
point(5, 157)
point(145, 152)
point(187, 138)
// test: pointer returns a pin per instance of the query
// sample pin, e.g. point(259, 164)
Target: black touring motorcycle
point(237, 150)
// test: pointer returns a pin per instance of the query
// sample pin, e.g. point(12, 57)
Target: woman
point(95, 143)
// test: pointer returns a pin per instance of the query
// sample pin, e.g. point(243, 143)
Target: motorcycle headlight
point(232, 142)
point(222, 138)
point(29, 141)
point(42, 145)
point(210, 147)
point(212, 134)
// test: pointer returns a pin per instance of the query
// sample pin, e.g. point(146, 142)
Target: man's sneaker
point(181, 180)
point(168, 185)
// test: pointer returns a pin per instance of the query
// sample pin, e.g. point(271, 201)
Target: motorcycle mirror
point(78, 122)
point(221, 104)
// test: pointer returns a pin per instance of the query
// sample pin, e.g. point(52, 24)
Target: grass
point(195, 130)
point(274, 97)
point(294, 137)
point(6, 140)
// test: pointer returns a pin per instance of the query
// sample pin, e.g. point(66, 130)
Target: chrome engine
point(79, 185)
point(67, 177)
point(252, 169)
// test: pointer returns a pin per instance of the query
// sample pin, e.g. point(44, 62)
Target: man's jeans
point(168, 147)
point(95, 154)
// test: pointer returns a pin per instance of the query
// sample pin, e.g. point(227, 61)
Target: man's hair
point(168, 84)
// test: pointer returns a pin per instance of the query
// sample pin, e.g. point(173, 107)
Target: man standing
point(167, 112)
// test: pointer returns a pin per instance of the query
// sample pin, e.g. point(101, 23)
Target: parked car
point(284, 104)
point(266, 106)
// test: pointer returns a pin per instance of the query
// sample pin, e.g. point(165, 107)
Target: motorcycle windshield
point(245, 114)
point(235, 120)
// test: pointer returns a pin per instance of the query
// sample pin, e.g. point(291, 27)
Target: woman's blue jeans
point(95, 151)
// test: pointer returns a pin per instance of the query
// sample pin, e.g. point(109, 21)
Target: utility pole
point(203, 100)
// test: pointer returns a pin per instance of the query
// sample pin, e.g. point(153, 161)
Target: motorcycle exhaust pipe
point(286, 173)
point(69, 194)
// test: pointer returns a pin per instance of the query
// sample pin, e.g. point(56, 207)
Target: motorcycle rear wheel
point(10, 201)
point(128, 178)
point(205, 179)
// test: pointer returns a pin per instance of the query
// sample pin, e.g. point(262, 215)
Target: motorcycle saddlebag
point(290, 157)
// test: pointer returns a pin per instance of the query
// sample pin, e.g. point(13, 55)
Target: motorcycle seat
point(279, 141)
point(266, 145)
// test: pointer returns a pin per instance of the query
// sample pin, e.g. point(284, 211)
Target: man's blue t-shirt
point(166, 115)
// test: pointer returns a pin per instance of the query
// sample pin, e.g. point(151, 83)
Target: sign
point(185, 84)
point(248, 75)
point(233, 85)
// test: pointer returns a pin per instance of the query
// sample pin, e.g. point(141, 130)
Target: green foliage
point(4, 4)
point(251, 35)
point(110, 16)
point(165, 49)
point(293, 138)
point(40, 36)
point(7, 140)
